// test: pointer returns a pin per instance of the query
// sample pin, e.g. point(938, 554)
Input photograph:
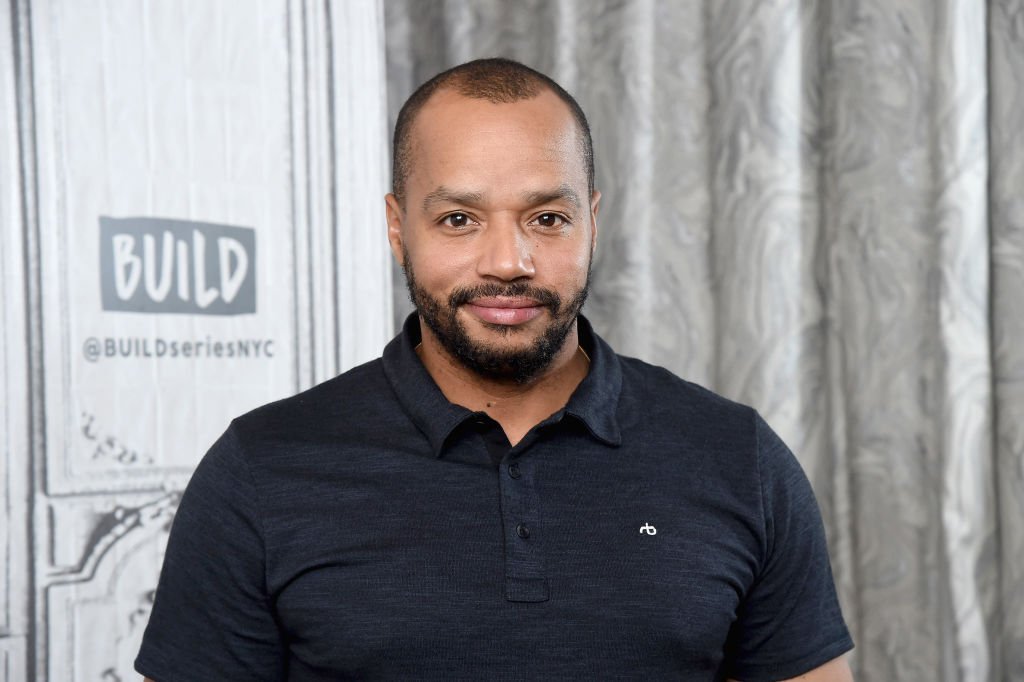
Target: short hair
point(497, 80)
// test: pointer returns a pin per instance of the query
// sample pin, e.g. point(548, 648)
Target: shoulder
point(723, 439)
point(357, 399)
point(656, 396)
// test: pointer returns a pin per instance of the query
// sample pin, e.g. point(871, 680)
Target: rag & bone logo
point(649, 529)
point(158, 265)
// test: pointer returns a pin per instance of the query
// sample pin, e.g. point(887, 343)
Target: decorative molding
point(110, 529)
point(110, 588)
point(363, 262)
point(339, 103)
point(16, 408)
point(312, 208)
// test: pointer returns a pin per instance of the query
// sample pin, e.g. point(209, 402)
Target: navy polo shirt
point(369, 529)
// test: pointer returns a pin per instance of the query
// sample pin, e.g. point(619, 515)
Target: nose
point(505, 252)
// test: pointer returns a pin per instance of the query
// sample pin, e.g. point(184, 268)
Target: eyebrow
point(564, 193)
point(443, 195)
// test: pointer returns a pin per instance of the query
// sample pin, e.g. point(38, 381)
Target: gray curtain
point(816, 208)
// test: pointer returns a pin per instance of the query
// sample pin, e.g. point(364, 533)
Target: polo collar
point(594, 402)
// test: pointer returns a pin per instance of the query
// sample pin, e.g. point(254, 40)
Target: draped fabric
point(817, 208)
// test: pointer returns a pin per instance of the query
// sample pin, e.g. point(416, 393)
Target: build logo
point(158, 265)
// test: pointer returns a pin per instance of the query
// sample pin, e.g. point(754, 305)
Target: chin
point(509, 331)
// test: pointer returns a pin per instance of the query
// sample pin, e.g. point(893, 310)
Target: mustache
point(545, 297)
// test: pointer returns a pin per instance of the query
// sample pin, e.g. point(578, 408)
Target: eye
point(550, 220)
point(456, 220)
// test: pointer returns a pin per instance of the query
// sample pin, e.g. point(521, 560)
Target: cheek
point(570, 266)
point(439, 268)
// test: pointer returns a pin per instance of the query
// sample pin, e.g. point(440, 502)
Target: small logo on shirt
point(649, 529)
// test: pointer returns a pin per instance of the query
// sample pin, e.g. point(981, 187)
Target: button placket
point(525, 577)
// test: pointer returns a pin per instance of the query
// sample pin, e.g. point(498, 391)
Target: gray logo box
point(160, 265)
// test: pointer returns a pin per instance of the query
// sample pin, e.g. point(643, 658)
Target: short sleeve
point(790, 621)
point(211, 617)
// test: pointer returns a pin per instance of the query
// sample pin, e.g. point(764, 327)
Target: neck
point(518, 407)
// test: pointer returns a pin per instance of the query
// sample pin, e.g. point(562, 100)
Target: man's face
point(497, 230)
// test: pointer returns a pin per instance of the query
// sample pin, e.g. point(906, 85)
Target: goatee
point(519, 365)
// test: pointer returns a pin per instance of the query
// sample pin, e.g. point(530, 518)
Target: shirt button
point(513, 470)
point(522, 531)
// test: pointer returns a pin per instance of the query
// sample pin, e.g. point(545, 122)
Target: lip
point(505, 310)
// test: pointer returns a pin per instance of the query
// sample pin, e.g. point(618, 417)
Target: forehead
point(457, 135)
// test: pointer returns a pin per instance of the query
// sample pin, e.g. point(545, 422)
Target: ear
point(595, 205)
point(395, 216)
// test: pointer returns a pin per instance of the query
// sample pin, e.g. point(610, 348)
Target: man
point(500, 496)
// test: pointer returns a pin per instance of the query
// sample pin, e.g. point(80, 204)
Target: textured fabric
point(1003, 539)
point(360, 530)
point(815, 208)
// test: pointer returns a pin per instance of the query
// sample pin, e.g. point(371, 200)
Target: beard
point(518, 365)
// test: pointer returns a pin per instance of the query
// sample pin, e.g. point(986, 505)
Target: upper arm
point(212, 617)
point(789, 619)
point(836, 670)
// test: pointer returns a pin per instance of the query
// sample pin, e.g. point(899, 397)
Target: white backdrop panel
point(159, 111)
